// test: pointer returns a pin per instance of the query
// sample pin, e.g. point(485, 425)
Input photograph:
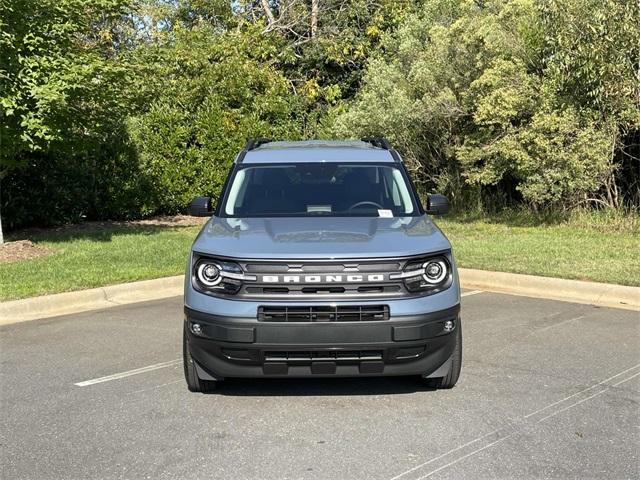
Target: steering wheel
point(361, 204)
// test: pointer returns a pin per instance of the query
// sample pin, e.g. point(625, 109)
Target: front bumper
point(246, 347)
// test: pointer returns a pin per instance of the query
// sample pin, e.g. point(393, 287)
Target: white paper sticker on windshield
point(385, 213)
point(318, 208)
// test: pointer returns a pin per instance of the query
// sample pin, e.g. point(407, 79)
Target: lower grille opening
point(306, 356)
point(272, 290)
point(308, 290)
point(373, 289)
point(364, 313)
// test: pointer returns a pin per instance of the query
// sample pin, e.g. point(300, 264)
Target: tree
point(592, 59)
point(56, 85)
point(484, 101)
point(209, 92)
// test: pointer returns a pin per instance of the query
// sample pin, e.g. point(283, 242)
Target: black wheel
point(456, 364)
point(194, 383)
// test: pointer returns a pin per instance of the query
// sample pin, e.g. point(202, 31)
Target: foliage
point(215, 91)
point(62, 106)
point(55, 86)
point(592, 55)
point(125, 108)
point(477, 91)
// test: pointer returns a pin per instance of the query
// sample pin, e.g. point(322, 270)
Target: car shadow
point(104, 231)
point(301, 387)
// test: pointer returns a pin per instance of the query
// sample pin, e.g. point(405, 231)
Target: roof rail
point(252, 143)
point(256, 142)
point(380, 142)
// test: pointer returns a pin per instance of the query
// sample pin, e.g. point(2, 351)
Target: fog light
point(196, 329)
point(449, 325)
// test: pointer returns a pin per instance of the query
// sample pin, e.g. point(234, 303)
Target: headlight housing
point(217, 276)
point(435, 271)
point(427, 275)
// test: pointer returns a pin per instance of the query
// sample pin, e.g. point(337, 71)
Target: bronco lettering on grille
point(373, 277)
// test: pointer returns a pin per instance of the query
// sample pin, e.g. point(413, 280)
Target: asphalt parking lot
point(548, 390)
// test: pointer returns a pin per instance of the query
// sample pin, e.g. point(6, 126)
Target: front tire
point(194, 383)
point(451, 378)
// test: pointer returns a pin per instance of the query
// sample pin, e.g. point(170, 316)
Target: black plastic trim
point(241, 156)
point(380, 142)
point(440, 315)
point(254, 143)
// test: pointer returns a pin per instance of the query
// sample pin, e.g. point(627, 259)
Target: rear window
point(319, 189)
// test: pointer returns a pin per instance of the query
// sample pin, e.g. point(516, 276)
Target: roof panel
point(317, 151)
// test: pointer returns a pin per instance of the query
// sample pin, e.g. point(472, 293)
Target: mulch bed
point(18, 250)
point(96, 226)
point(22, 250)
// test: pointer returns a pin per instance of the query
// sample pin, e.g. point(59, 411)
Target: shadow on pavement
point(321, 386)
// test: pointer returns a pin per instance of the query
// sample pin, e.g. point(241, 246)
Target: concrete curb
point(575, 291)
point(600, 294)
point(46, 306)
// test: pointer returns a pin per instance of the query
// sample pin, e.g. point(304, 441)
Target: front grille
point(325, 290)
point(288, 279)
point(305, 356)
point(359, 313)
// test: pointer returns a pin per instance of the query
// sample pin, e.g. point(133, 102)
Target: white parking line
point(128, 373)
point(472, 292)
point(553, 414)
point(417, 467)
point(504, 434)
point(601, 383)
point(459, 459)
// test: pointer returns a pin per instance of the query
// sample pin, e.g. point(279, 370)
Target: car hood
point(320, 237)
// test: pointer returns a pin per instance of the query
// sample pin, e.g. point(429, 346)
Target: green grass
point(583, 246)
point(94, 258)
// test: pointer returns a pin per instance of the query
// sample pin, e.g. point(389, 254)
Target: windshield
point(319, 189)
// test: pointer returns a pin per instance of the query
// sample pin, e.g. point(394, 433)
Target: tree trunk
point(267, 11)
point(314, 17)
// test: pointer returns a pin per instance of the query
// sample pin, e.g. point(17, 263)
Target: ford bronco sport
point(319, 260)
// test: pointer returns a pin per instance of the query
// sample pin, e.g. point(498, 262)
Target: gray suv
point(320, 261)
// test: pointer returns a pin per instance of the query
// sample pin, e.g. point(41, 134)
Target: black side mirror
point(200, 207)
point(437, 204)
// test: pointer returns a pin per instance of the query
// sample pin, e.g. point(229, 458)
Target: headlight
point(434, 271)
point(428, 275)
point(210, 275)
